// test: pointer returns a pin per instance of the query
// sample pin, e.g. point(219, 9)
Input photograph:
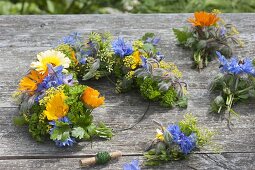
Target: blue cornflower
point(186, 143)
point(71, 39)
point(122, 48)
point(134, 165)
point(236, 66)
point(153, 41)
point(69, 141)
point(175, 132)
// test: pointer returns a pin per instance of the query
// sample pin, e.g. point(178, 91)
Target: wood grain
point(22, 37)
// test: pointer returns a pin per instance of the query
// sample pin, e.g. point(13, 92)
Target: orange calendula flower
point(30, 81)
point(203, 19)
point(91, 99)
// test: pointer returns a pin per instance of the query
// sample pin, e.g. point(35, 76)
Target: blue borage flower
point(122, 48)
point(54, 78)
point(186, 143)
point(153, 41)
point(235, 66)
point(134, 165)
point(69, 141)
point(72, 39)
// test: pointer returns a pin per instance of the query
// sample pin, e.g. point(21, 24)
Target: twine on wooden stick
point(101, 158)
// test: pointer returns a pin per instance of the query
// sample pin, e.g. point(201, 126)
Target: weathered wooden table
point(22, 37)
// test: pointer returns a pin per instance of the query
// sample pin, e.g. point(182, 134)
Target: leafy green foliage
point(232, 88)
point(38, 126)
point(149, 89)
point(103, 131)
point(81, 117)
point(77, 110)
point(182, 35)
point(189, 125)
point(61, 131)
point(169, 98)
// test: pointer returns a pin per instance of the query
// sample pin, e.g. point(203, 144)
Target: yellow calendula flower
point(56, 58)
point(159, 135)
point(91, 99)
point(56, 107)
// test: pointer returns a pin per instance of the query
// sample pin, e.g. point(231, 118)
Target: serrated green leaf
point(78, 132)
point(147, 35)
point(182, 35)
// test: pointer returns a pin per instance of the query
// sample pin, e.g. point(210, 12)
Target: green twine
point(102, 158)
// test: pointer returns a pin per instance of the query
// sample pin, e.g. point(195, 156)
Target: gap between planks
point(16, 157)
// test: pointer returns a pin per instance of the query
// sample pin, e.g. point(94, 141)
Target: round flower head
point(30, 82)
point(56, 107)
point(91, 99)
point(235, 66)
point(122, 48)
point(203, 19)
point(186, 143)
point(55, 58)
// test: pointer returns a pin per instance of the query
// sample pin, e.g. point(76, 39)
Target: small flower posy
point(177, 141)
point(236, 83)
point(54, 105)
point(208, 33)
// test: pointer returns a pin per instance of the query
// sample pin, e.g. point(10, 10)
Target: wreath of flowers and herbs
point(54, 105)
point(235, 83)
point(137, 65)
point(177, 141)
point(208, 33)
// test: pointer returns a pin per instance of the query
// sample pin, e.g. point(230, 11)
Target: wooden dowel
point(92, 160)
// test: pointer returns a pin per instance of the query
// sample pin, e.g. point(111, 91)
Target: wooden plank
point(17, 141)
point(22, 37)
point(194, 161)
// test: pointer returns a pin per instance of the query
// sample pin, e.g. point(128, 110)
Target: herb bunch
point(234, 84)
point(177, 141)
point(208, 33)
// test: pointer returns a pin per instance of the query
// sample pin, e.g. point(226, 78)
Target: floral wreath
point(53, 104)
